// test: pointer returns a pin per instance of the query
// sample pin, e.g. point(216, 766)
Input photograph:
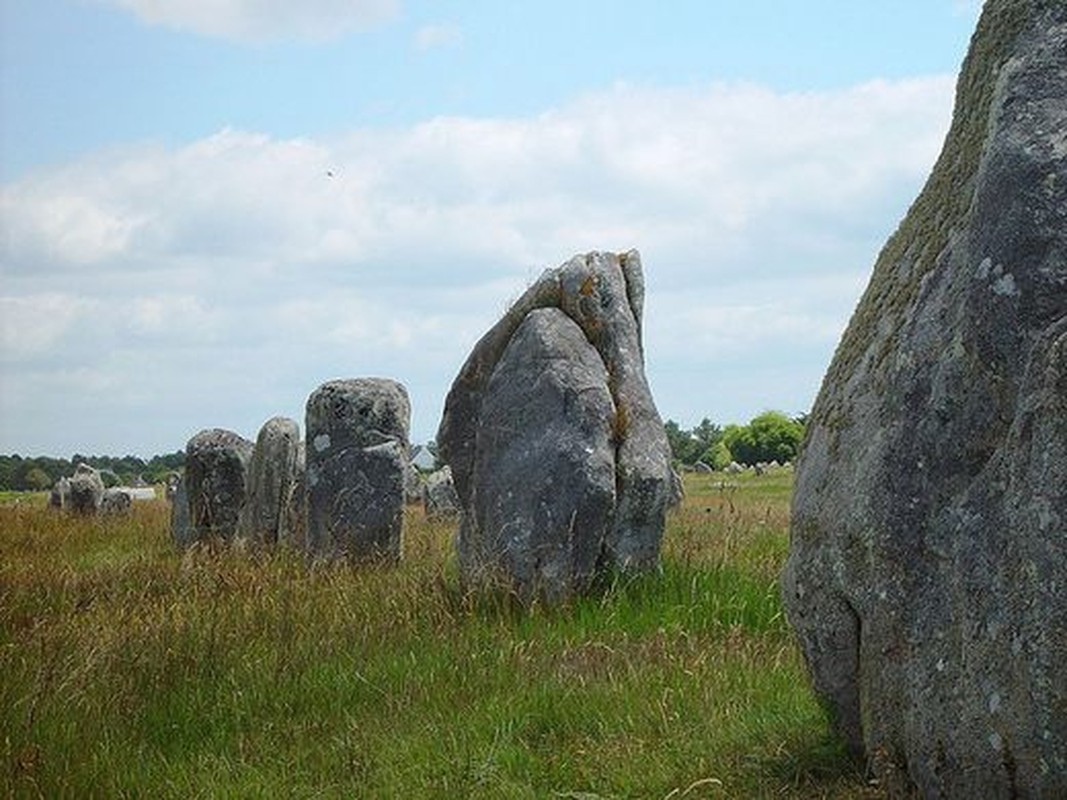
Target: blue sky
point(210, 208)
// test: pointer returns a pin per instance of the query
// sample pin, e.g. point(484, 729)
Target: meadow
point(130, 669)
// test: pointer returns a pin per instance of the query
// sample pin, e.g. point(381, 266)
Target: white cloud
point(226, 278)
point(32, 325)
point(261, 20)
point(430, 37)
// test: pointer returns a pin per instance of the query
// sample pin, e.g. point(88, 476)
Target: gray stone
point(86, 490)
point(116, 501)
point(677, 490)
point(593, 318)
point(439, 498)
point(272, 473)
point(296, 506)
point(59, 497)
point(171, 487)
point(182, 531)
point(413, 484)
point(357, 446)
point(927, 574)
point(216, 479)
point(543, 492)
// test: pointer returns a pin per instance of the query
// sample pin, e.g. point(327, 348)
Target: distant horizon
point(204, 217)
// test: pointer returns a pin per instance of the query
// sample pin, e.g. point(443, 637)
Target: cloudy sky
point(210, 207)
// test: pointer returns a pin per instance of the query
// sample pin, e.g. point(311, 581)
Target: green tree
point(771, 436)
point(36, 479)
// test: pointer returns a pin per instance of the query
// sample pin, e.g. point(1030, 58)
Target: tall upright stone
point(216, 481)
point(927, 574)
point(182, 532)
point(551, 423)
point(357, 446)
point(272, 475)
point(296, 505)
point(59, 497)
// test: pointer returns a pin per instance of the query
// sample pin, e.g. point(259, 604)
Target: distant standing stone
point(181, 525)
point(59, 497)
point(116, 501)
point(357, 453)
point(86, 490)
point(413, 484)
point(439, 498)
point(216, 479)
point(272, 474)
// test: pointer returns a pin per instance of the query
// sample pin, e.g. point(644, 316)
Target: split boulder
point(558, 454)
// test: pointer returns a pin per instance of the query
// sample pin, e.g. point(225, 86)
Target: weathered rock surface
point(272, 474)
point(59, 497)
point(86, 490)
point(116, 501)
point(216, 480)
point(581, 406)
point(357, 446)
point(543, 491)
point(413, 484)
point(927, 575)
point(439, 498)
point(182, 531)
point(296, 506)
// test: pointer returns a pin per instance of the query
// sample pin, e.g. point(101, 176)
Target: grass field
point(131, 670)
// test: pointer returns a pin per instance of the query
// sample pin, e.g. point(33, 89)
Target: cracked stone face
point(557, 452)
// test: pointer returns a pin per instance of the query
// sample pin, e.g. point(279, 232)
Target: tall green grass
point(131, 670)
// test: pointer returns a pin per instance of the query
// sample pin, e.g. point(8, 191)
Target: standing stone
point(86, 490)
point(927, 574)
point(543, 490)
point(216, 479)
point(264, 518)
point(413, 484)
point(59, 497)
point(439, 498)
point(181, 524)
point(357, 446)
point(296, 503)
point(116, 501)
point(587, 312)
point(171, 487)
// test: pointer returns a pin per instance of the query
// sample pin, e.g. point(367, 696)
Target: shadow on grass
point(819, 767)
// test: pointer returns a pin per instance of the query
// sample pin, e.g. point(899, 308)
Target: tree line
point(770, 436)
point(39, 473)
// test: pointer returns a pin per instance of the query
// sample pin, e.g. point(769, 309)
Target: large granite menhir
point(357, 446)
point(557, 452)
point(927, 574)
